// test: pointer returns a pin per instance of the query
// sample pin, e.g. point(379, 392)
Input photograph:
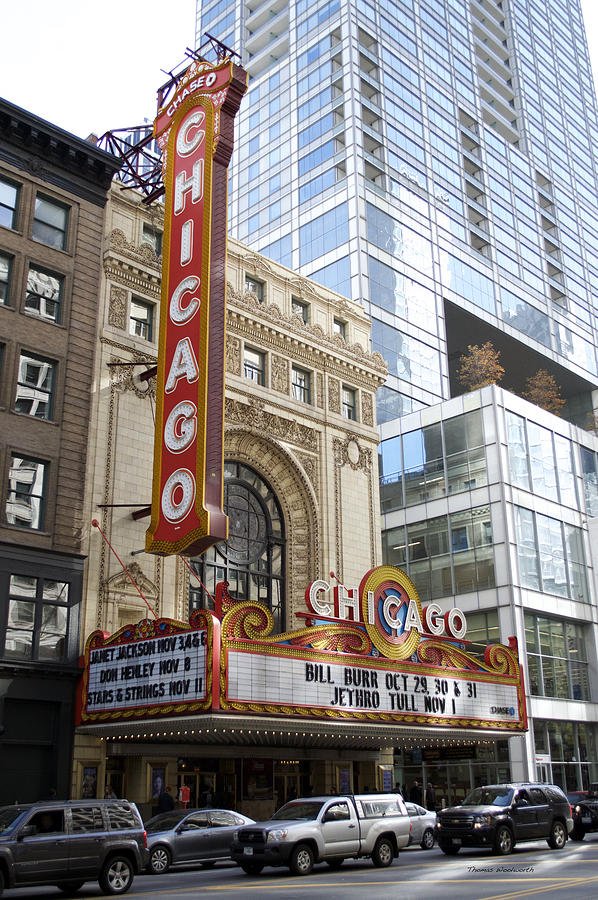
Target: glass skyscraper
point(435, 160)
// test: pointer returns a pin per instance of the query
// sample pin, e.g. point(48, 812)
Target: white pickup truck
point(325, 829)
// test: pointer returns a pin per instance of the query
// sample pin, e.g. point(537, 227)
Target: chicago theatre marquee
point(254, 648)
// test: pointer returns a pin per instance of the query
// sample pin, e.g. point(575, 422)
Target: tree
point(480, 366)
point(543, 390)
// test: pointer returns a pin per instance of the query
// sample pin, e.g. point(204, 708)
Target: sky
point(93, 67)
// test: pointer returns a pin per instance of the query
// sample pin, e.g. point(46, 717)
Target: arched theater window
point(252, 560)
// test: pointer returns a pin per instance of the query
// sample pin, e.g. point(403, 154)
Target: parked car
point(201, 836)
point(325, 829)
point(500, 815)
point(423, 825)
point(585, 811)
point(67, 844)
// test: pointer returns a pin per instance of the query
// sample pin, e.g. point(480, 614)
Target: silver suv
point(67, 844)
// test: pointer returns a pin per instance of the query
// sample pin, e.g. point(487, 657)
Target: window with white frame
point(43, 297)
point(254, 365)
point(50, 222)
point(5, 268)
point(301, 385)
point(141, 320)
point(35, 386)
point(26, 492)
point(9, 199)
point(349, 403)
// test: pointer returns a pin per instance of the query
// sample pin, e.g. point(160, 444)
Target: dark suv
point(500, 815)
point(67, 844)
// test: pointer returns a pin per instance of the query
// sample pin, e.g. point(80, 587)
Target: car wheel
point(427, 841)
point(208, 864)
point(160, 860)
point(335, 864)
point(383, 853)
point(251, 868)
point(116, 876)
point(69, 887)
point(302, 860)
point(448, 848)
point(558, 836)
point(503, 840)
point(578, 833)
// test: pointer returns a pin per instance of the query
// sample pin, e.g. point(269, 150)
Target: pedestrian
point(165, 800)
point(430, 797)
point(415, 794)
point(109, 793)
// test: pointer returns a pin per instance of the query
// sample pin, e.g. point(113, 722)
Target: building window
point(153, 237)
point(50, 222)
point(44, 294)
point(301, 382)
point(556, 658)
point(9, 198)
point(5, 267)
point(35, 386)
point(36, 621)
point(256, 287)
point(26, 491)
point(349, 403)
point(445, 555)
point(340, 327)
point(252, 560)
point(427, 463)
point(254, 365)
point(551, 555)
point(141, 322)
point(299, 308)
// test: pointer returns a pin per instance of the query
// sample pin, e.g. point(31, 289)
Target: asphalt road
point(531, 871)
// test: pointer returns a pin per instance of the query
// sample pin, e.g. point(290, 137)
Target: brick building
point(52, 197)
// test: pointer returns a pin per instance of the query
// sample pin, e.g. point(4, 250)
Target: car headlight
point(578, 809)
point(279, 834)
point(480, 821)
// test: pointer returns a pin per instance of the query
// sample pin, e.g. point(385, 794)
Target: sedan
point(423, 823)
point(188, 836)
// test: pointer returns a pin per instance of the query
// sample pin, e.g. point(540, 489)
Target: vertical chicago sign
point(194, 130)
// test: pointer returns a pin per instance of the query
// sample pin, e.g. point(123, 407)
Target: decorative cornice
point(253, 415)
point(249, 309)
point(144, 253)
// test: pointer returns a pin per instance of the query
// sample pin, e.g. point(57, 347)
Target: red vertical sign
point(195, 132)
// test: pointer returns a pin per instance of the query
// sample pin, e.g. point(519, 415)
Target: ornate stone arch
point(297, 498)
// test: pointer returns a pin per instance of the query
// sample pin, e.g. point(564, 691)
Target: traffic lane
point(531, 870)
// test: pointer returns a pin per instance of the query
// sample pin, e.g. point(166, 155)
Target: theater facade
point(286, 659)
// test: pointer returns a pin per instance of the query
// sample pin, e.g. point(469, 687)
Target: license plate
point(587, 820)
point(248, 851)
point(456, 842)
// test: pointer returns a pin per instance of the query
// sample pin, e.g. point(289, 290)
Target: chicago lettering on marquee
point(195, 133)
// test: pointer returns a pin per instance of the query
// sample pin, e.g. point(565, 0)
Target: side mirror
point(328, 817)
point(26, 831)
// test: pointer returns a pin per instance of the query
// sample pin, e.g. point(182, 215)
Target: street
point(532, 870)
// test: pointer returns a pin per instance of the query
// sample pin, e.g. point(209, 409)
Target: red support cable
point(195, 575)
point(96, 524)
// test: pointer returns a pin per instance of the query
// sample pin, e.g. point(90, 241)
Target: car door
point(339, 829)
point(524, 817)
point(192, 838)
point(414, 818)
point(41, 851)
point(87, 839)
point(224, 825)
point(541, 808)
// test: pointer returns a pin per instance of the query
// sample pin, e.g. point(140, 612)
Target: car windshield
point(8, 816)
point(299, 809)
point(165, 821)
point(489, 796)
